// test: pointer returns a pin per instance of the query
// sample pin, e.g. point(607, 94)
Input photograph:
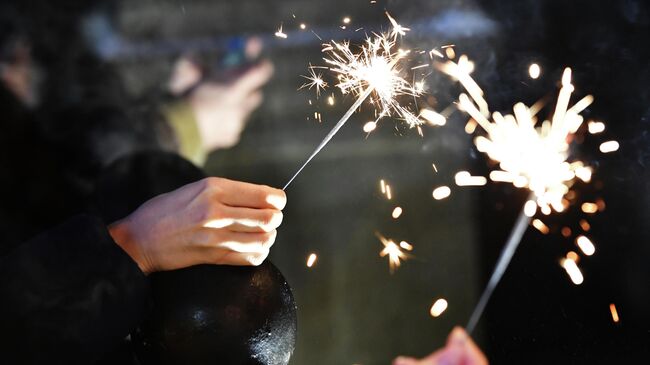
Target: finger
point(253, 101)
point(243, 259)
point(246, 219)
point(254, 47)
point(463, 343)
point(242, 242)
point(253, 79)
point(403, 360)
point(241, 194)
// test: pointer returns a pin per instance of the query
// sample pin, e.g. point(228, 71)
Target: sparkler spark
point(280, 33)
point(529, 156)
point(373, 72)
point(311, 260)
point(315, 81)
point(438, 307)
point(393, 251)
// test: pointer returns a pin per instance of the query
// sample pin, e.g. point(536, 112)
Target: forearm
point(69, 295)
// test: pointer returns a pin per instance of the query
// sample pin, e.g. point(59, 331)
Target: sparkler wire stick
point(333, 132)
point(507, 252)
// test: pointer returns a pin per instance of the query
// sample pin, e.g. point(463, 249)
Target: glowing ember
point(389, 194)
point(311, 260)
point(382, 184)
point(541, 226)
point(585, 225)
point(585, 245)
point(596, 127)
point(438, 307)
point(393, 251)
point(530, 208)
point(369, 127)
point(405, 245)
point(464, 178)
point(303, 26)
point(280, 33)
point(432, 117)
point(572, 269)
point(609, 146)
point(612, 309)
point(347, 20)
point(441, 192)
point(534, 71)
point(330, 100)
point(470, 127)
point(397, 212)
point(590, 208)
point(566, 232)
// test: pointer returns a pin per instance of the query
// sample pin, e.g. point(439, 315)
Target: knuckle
point(258, 259)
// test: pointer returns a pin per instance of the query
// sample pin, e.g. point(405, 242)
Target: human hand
point(459, 350)
point(221, 109)
point(211, 221)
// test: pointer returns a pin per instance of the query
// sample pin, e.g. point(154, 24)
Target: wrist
point(122, 234)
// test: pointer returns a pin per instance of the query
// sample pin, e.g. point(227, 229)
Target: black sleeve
point(68, 296)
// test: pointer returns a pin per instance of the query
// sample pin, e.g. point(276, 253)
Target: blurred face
point(20, 75)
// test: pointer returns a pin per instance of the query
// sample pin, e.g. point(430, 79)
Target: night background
point(351, 309)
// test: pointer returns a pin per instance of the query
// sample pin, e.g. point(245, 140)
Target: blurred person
point(73, 292)
point(459, 350)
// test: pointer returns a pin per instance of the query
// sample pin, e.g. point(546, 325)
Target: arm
point(69, 295)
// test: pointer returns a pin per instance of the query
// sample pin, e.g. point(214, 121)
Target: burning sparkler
point(373, 72)
point(529, 156)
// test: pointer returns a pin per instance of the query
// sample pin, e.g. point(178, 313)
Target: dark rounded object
point(219, 315)
point(204, 314)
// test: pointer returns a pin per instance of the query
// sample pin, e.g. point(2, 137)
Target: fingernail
point(277, 201)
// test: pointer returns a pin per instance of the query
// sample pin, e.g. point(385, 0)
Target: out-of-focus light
point(612, 309)
point(405, 245)
point(303, 26)
point(369, 127)
point(464, 178)
point(397, 212)
point(451, 54)
point(389, 193)
point(585, 245)
point(438, 307)
point(541, 226)
point(441, 192)
point(470, 127)
point(609, 146)
point(585, 225)
point(382, 184)
point(573, 270)
point(566, 232)
point(596, 127)
point(311, 260)
point(589, 208)
point(530, 208)
point(330, 100)
point(280, 33)
point(347, 20)
point(534, 71)
point(432, 117)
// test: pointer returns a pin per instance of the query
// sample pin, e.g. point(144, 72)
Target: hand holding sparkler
point(459, 350)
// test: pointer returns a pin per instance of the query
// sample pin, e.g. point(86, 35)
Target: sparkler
point(373, 73)
point(529, 156)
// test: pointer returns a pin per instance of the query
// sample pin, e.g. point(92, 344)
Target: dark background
point(351, 309)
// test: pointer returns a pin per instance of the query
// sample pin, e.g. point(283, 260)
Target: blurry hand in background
point(459, 350)
point(221, 108)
